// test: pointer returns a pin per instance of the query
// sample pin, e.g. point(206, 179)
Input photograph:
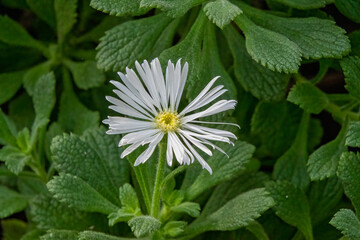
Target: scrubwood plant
point(95, 195)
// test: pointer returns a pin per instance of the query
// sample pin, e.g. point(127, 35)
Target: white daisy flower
point(150, 105)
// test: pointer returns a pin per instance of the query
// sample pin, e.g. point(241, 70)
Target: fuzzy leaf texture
point(144, 225)
point(353, 135)
point(91, 235)
point(346, 221)
point(221, 12)
point(44, 96)
point(292, 206)
point(351, 68)
point(60, 235)
point(172, 8)
point(65, 12)
point(15, 160)
point(119, 8)
point(11, 202)
point(308, 97)
point(349, 174)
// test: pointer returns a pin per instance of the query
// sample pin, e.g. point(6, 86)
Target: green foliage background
point(290, 176)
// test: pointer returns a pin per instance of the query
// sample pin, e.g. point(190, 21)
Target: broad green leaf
point(21, 111)
point(86, 75)
point(353, 135)
point(144, 225)
point(221, 12)
point(48, 213)
point(271, 49)
point(305, 4)
point(72, 155)
point(44, 96)
point(324, 161)
point(119, 8)
point(350, 8)
point(76, 193)
point(11, 202)
point(172, 8)
point(258, 230)
point(31, 186)
point(223, 168)
point(128, 197)
point(33, 75)
point(346, 221)
point(32, 235)
point(190, 208)
point(65, 13)
point(23, 140)
point(73, 115)
point(44, 9)
point(323, 199)
point(9, 85)
point(355, 42)
point(199, 49)
point(14, 159)
point(90, 235)
point(308, 97)
point(53, 234)
point(6, 133)
point(122, 215)
point(14, 3)
point(12, 229)
point(236, 213)
point(349, 174)
point(317, 38)
point(174, 228)
point(133, 40)
point(260, 81)
point(351, 68)
point(292, 165)
point(106, 146)
point(275, 125)
point(292, 206)
point(12, 33)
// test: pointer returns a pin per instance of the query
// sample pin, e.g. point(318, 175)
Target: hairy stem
point(155, 203)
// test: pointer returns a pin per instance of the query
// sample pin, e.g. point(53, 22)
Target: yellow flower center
point(167, 121)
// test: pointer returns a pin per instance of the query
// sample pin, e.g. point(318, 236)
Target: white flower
point(151, 109)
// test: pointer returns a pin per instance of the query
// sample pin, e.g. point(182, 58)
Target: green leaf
point(86, 75)
point(6, 133)
point(12, 229)
point(133, 40)
point(271, 49)
point(44, 96)
point(128, 197)
point(324, 161)
point(33, 75)
point(236, 213)
point(75, 157)
point(32, 235)
point(353, 135)
point(73, 115)
point(258, 230)
point(349, 174)
point(44, 9)
point(349, 8)
point(53, 234)
point(221, 12)
point(291, 206)
point(174, 228)
point(119, 8)
point(76, 193)
point(14, 34)
point(355, 42)
point(11, 202)
point(65, 12)
point(308, 97)
point(346, 222)
point(23, 140)
point(323, 199)
point(260, 81)
point(144, 225)
point(21, 112)
point(351, 68)
point(223, 168)
point(14, 159)
point(31, 186)
point(275, 125)
point(305, 4)
point(122, 215)
point(90, 235)
point(292, 165)
point(171, 8)
point(48, 213)
point(106, 146)
point(9, 85)
point(190, 208)
point(316, 38)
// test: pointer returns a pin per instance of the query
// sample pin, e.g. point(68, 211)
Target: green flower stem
point(173, 174)
point(339, 114)
point(155, 203)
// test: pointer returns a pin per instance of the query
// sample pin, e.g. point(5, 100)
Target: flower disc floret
point(167, 121)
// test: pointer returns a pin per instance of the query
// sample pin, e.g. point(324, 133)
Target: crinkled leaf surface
point(60, 235)
point(259, 80)
point(14, 159)
point(346, 221)
point(119, 8)
point(144, 225)
point(172, 8)
point(292, 206)
point(221, 12)
point(353, 135)
point(11, 202)
point(351, 68)
point(44, 96)
point(65, 13)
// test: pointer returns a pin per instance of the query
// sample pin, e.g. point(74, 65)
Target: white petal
point(130, 149)
point(126, 109)
point(178, 150)
point(198, 157)
point(183, 78)
point(119, 125)
point(196, 142)
point(159, 82)
point(207, 130)
point(139, 136)
point(224, 123)
point(133, 104)
point(169, 151)
point(149, 151)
